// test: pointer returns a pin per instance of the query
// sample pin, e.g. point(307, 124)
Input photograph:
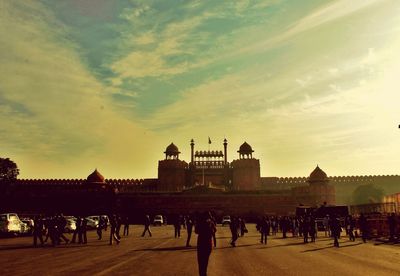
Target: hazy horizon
point(88, 84)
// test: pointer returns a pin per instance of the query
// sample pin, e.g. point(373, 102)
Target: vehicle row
point(12, 224)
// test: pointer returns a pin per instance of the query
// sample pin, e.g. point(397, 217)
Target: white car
point(10, 224)
point(158, 220)
point(91, 223)
point(226, 220)
point(70, 226)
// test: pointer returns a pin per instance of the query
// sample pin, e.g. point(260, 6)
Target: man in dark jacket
point(205, 228)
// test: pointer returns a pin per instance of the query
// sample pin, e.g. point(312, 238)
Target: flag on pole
point(209, 140)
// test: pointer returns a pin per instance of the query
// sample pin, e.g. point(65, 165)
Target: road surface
point(162, 254)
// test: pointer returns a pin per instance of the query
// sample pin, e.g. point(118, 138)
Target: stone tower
point(245, 170)
point(171, 171)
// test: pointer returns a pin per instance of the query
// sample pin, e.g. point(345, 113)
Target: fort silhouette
point(208, 181)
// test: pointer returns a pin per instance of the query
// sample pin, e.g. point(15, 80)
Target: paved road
point(164, 255)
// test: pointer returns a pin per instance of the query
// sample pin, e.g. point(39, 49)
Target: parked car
point(10, 224)
point(158, 220)
point(226, 220)
point(29, 224)
point(91, 223)
point(70, 226)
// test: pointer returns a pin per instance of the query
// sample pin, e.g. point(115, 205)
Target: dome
point(245, 149)
point(318, 175)
point(172, 150)
point(95, 177)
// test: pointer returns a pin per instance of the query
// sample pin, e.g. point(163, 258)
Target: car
point(29, 225)
point(226, 220)
point(10, 224)
point(70, 226)
point(91, 223)
point(158, 220)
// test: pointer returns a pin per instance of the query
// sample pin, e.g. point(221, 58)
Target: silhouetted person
point(61, 223)
point(352, 224)
point(177, 226)
point(326, 223)
point(264, 229)
point(146, 225)
point(306, 228)
point(243, 228)
point(363, 227)
point(37, 231)
point(335, 230)
point(100, 227)
point(234, 230)
point(118, 227)
point(284, 226)
point(113, 229)
point(205, 228)
point(78, 230)
point(189, 227)
point(392, 226)
point(83, 231)
point(312, 229)
point(126, 226)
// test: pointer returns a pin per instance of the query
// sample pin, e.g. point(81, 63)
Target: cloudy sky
point(104, 84)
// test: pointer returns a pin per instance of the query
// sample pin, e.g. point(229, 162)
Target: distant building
point(208, 182)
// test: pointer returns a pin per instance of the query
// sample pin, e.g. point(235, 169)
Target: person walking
point(189, 227)
point(205, 228)
point(126, 226)
point(146, 225)
point(100, 227)
point(335, 230)
point(113, 229)
point(37, 231)
point(351, 226)
point(312, 229)
point(234, 230)
point(264, 229)
point(177, 226)
point(363, 227)
point(77, 231)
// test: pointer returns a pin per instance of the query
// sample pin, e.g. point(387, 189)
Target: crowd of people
point(52, 229)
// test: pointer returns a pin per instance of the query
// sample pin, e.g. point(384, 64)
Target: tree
point(8, 170)
point(367, 193)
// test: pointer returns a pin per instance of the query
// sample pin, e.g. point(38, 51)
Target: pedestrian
point(205, 228)
point(189, 227)
point(351, 226)
point(113, 229)
point(126, 226)
point(61, 223)
point(326, 223)
point(146, 225)
point(100, 227)
point(37, 230)
point(83, 232)
point(264, 229)
point(243, 228)
point(177, 226)
point(77, 231)
point(335, 230)
point(306, 228)
point(363, 223)
point(284, 226)
point(312, 229)
point(118, 227)
point(234, 230)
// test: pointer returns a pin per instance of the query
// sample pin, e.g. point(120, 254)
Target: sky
point(88, 84)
